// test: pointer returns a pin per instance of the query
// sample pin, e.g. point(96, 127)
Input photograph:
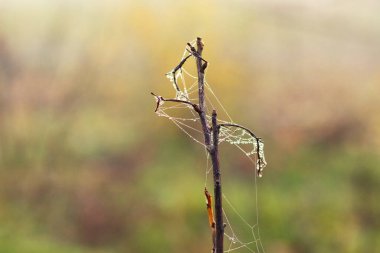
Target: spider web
point(185, 85)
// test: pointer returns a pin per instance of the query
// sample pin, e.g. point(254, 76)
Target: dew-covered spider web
point(242, 233)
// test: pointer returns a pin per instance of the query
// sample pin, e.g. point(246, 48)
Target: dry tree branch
point(179, 66)
point(260, 159)
point(211, 140)
point(211, 145)
point(214, 154)
point(160, 98)
point(239, 126)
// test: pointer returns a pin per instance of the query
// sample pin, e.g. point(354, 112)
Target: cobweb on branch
point(185, 85)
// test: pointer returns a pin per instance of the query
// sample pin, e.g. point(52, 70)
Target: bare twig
point(212, 147)
point(201, 95)
point(179, 66)
point(258, 139)
point(214, 153)
point(160, 98)
point(239, 126)
point(195, 52)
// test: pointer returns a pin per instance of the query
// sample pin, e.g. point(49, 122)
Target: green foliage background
point(86, 166)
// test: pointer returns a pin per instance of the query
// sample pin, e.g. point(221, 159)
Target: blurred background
point(87, 166)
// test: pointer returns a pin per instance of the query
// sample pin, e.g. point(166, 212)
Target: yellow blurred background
point(87, 166)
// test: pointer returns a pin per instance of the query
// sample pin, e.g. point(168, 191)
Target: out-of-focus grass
point(85, 164)
point(19, 244)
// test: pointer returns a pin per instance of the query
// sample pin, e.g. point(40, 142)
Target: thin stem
point(260, 159)
point(211, 145)
point(160, 98)
point(214, 153)
point(176, 69)
point(239, 126)
point(212, 148)
point(201, 95)
point(195, 52)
